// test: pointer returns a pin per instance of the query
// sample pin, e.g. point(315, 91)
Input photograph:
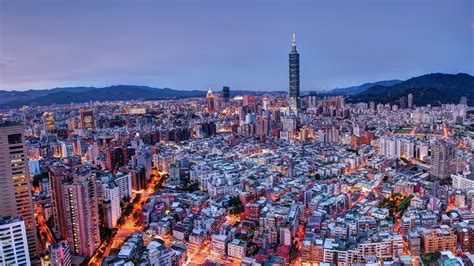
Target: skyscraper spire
point(293, 44)
point(294, 88)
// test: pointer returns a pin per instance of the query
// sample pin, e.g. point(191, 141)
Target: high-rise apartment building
point(13, 241)
point(443, 158)
point(81, 212)
point(75, 206)
point(15, 188)
point(57, 175)
point(294, 88)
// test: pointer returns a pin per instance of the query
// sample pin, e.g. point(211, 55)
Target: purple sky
point(243, 44)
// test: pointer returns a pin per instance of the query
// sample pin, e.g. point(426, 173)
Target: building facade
point(15, 187)
point(444, 155)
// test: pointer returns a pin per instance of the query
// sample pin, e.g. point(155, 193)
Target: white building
point(67, 149)
point(422, 151)
point(463, 181)
point(237, 248)
point(112, 193)
point(389, 147)
point(158, 254)
point(13, 244)
point(218, 244)
point(124, 182)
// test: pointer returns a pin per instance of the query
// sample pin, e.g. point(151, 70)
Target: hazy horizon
point(218, 89)
point(186, 45)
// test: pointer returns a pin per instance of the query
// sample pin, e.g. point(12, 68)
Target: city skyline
point(195, 47)
point(376, 174)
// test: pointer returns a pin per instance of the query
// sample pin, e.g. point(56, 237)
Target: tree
point(429, 258)
point(107, 233)
point(294, 251)
point(235, 205)
point(136, 215)
point(191, 187)
point(121, 220)
point(37, 179)
point(137, 198)
point(127, 210)
point(405, 160)
point(124, 202)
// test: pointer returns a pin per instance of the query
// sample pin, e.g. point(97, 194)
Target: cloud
point(5, 62)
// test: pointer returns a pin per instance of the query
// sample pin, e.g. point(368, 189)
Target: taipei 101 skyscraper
point(294, 89)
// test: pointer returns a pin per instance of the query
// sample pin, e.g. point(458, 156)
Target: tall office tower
point(263, 126)
point(15, 188)
point(86, 119)
point(444, 155)
point(59, 254)
point(294, 89)
point(211, 108)
point(81, 212)
point(312, 99)
point(226, 93)
point(410, 100)
point(48, 122)
point(463, 100)
point(403, 102)
point(13, 244)
point(265, 103)
point(340, 103)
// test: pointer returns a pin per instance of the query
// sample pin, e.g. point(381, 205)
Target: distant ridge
point(434, 89)
point(67, 95)
point(363, 87)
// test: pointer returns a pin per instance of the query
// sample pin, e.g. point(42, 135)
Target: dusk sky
point(243, 44)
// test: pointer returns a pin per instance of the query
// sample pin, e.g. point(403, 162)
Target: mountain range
point(432, 89)
point(12, 99)
point(363, 87)
point(67, 95)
